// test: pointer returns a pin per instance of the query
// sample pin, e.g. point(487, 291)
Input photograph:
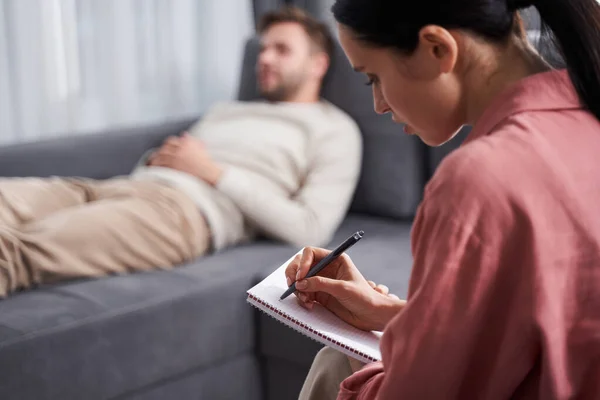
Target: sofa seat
point(136, 329)
point(132, 330)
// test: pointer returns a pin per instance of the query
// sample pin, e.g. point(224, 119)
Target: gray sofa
point(188, 333)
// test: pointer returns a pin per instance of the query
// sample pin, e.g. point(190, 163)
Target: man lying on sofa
point(284, 167)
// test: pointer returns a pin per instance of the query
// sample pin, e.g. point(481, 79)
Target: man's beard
point(282, 92)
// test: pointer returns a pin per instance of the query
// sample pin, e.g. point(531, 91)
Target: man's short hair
point(317, 31)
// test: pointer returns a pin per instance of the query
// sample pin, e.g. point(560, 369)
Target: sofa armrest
point(99, 155)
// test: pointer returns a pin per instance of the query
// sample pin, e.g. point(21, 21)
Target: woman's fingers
point(310, 256)
point(292, 269)
point(333, 287)
point(306, 261)
point(382, 289)
point(379, 288)
point(301, 264)
point(305, 300)
point(306, 304)
point(308, 289)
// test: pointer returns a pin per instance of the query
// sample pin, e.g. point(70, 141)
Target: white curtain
point(77, 66)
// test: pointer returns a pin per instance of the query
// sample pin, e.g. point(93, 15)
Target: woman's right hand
point(342, 289)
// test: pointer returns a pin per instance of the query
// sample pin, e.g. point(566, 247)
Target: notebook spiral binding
point(278, 314)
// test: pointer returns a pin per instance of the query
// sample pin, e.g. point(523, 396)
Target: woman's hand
point(342, 289)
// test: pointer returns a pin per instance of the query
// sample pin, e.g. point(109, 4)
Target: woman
point(504, 298)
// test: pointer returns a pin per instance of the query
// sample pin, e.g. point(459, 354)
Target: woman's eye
point(372, 80)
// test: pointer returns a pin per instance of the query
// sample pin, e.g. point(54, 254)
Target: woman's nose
point(381, 106)
point(379, 103)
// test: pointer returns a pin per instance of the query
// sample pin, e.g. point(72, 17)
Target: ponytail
point(574, 26)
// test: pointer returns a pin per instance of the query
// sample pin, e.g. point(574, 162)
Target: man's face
point(284, 62)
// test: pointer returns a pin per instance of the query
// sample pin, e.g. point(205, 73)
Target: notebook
point(318, 324)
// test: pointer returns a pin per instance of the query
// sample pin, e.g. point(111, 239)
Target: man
point(284, 167)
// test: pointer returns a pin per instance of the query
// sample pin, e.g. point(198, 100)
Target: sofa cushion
point(70, 340)
point(393, 170)
point(284, 379)
point(235, 379)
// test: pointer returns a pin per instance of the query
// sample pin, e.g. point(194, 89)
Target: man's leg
point(23, 200)
point(139, 226)
point(328, 370)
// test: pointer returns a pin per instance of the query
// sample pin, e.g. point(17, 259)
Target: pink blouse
point(504, 298)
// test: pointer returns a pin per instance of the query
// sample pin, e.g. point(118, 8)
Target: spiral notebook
point(318, 324)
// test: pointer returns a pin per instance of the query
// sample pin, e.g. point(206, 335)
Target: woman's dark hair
point(574, 26)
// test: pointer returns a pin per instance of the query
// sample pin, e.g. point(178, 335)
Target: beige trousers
point(58, 229)
point(328, 370)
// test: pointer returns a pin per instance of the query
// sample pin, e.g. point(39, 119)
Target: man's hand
point(342, 289)
point(187, 154)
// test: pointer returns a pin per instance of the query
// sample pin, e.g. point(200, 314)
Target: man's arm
point(311, 216)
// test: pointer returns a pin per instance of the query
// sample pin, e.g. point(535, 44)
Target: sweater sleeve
point(309, 217)
point(467, 329)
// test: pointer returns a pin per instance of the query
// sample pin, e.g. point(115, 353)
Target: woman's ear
point(440, 46)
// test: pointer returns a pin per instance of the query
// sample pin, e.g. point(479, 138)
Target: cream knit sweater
point(290, 170)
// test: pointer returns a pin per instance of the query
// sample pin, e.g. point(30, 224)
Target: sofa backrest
point(96, 155)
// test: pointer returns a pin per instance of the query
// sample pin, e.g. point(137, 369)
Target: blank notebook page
point(318, 324)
